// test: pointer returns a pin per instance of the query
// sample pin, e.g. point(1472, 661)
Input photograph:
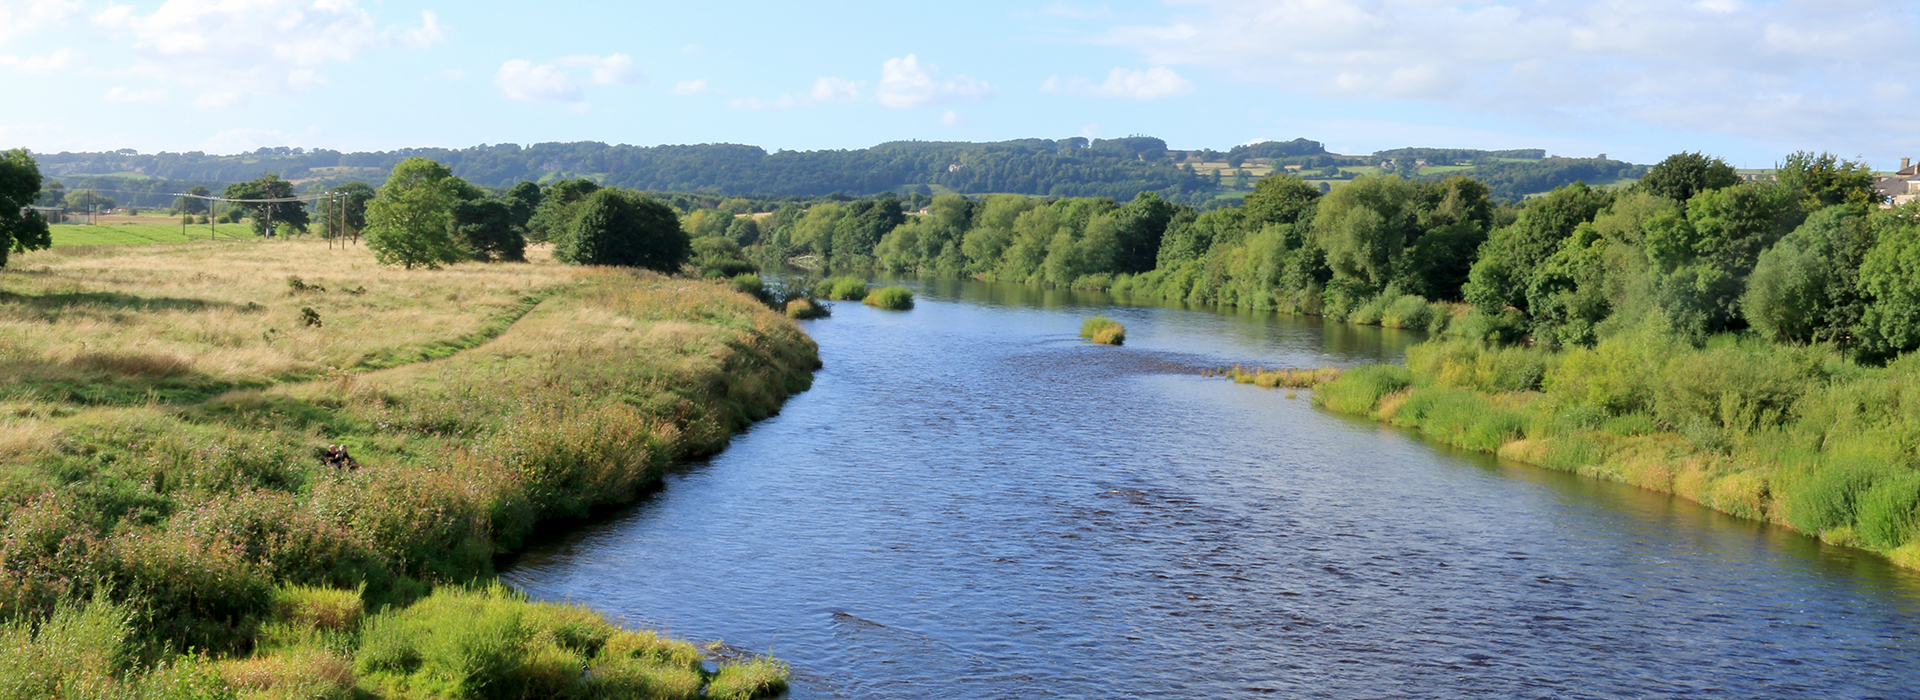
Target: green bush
point(802, 309)
point(845, 288)
point(75, 652)
point(1369, 312)
point(1889, 513)
point(1829, 497)
point(1103, 330)
point(1359, 389)
point(890, 299)
point(1410, 311)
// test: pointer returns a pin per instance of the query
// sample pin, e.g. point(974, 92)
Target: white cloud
point(524, 80)
point(427, 34)
point(905, 83)
point(247, 140)
point(693, 87)
point(60, 59)
point(832, 89)
point(120, 94)
point(951, 118)
point(1150, 84)
point(616, 69)
point(232, 49)
point(755, 104)
point(19, 18)
point(1798, 71)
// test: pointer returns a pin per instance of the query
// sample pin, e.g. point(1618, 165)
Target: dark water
point(972, 503)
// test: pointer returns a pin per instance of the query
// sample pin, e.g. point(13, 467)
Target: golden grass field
point(165, 412)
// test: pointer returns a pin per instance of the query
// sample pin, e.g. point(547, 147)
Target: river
point(971, 502)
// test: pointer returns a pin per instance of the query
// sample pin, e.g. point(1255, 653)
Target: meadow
point(146, 233)
point(180, 523)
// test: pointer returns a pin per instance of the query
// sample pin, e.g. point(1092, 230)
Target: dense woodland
point(1074, 167)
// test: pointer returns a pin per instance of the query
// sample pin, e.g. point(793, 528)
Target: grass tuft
point(1103, 331)
point(890, 299)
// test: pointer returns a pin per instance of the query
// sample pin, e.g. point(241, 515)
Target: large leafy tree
point(1364, 227)
point(1683, 175)
point(622, 227)
point(1823, 180)
point(269, 186)
point(19, 184)
point(485, 227)
point(1509, 258)
point(411, 222)
point(559, 204)
point(352, 201)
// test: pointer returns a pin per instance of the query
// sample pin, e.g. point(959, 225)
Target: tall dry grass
point(165, 453)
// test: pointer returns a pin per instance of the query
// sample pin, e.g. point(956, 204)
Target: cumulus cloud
point(1150, 84)
point(904, 83)
point(232, 49)
point(951, 118)
point(555, 81)
point(60, 59)
point(692, 87)
point(1789, 70)
point(19, 18)
point(120, 94)
point(525, 80)
point(835, 90)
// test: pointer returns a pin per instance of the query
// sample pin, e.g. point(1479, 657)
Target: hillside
point(1073, 167)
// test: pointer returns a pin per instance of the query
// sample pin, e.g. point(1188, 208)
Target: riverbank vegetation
point(275, 468)
point(1103, 330)
point(890, 299)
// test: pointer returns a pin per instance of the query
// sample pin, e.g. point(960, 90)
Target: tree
point(1365, 227)
point(19, 185)
point(553, 216)
point(196, 204)
point(485, 227)
point(1282, 199)
point(1683, 175)
point(1821, 181)
point(1502, 274)
point(522, 201)
point(623, 227)
point(1891, 276)
point(269, 186)
point(1806, 287)
point(352, 200)
point(411, 222)
point(1137, 229)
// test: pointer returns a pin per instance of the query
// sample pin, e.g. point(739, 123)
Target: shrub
point(803, 308)
point(1889, 514)
point(1359, 389)
point(1829, 496)
point(758, 678)
point(1410, 311)
point(74, 653)
point(1370, 312)
point(845, 288)
point(890, 299)
point(1103, 330)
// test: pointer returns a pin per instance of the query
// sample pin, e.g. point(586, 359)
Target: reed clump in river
point(1103, 330)
point(890, 299)
point(191, 464)
point(1284, 377)
point(1796, 435)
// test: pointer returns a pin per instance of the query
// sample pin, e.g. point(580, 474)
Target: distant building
point(1902, 187)
point(53, 215)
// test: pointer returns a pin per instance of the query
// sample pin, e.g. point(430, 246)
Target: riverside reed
point(164, 412)
point(890, 299)
point(1103, 330)
point(1795, 435)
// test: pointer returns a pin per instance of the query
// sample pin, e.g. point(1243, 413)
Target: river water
point(973, 503)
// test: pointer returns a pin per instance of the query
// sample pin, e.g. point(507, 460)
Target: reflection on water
point(972, 503)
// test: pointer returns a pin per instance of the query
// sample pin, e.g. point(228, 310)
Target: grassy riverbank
point(165, 411)
point(1795, 435)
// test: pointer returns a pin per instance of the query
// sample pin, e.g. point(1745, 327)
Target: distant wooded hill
point(1073, 167)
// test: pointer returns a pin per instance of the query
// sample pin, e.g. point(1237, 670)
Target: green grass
point(842, 288)
point(1103, 330)
point(163, 415)
point(65, 235)
point(1796, 435)
point(890, 299)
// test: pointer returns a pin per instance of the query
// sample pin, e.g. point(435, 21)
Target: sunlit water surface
point(973, 503)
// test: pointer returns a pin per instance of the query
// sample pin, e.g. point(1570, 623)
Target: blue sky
point(1634, 79)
